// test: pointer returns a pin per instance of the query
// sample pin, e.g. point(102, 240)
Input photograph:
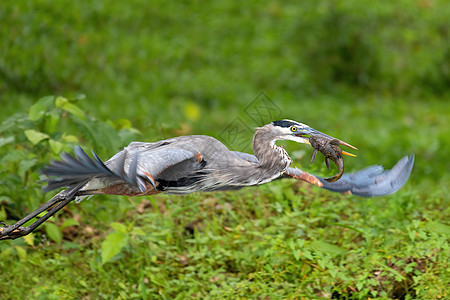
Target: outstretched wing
point(371, 181)
point(148, 161)
point(133, 165)
point(75, 172)
point(374, 180)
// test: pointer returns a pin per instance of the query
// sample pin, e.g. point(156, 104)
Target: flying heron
point(200, 163)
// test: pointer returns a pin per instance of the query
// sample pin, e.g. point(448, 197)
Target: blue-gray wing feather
point(131, 165)
point(75, 172)
point(371, 181)
point(374, 180)
point(156, 161)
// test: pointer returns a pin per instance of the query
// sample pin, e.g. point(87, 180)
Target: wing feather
point(371, 181)
point(133, 165)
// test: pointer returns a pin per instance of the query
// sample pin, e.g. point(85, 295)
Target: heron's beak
point(306, 133)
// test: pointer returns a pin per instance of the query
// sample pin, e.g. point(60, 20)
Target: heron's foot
point(12, 231)
point(52, 206)
point(302, 175)
point(331, 150)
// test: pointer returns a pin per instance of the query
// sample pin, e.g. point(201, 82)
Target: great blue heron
point(188, 164)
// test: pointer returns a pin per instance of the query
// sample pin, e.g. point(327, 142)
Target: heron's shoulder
point(185, 141)
point(199, 142)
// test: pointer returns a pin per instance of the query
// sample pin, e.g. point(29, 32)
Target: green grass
point(371, 74)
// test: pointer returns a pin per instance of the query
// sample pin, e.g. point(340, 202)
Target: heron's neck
point(270, 155)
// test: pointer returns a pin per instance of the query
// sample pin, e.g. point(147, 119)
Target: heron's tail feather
point(75, 172)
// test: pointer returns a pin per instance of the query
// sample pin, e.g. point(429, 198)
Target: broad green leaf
point(52, 120)
point(54, 232)
point(39, 109)
point(128, 135)
point(7, 140)
point(416, 223)
point(122, 123)
point(25, 165)
point(83, 283)
point(268, 268)
point(69, 138)
point(13, 121)
point(55, 146)
point(60, 101)
point(291, 245)
point(327, 248)
point(323, 262)
point(297, 253)
point(73, 109)
point(29, 239)
point(138, 231)
point(119, 227)
point(100, 134)
point(7, 252)
point(300, 242)
point(69, 222)
point(113, 245)
point(438, 228)
point(35, 136)
point(22, 253)
point(2, 213)
point(7, 124)
point(307, 254)
point(333, 271)
point(15, 156)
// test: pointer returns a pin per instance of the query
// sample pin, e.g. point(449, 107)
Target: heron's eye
point(293, 128)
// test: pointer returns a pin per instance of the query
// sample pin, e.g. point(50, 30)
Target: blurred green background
point(375, 74)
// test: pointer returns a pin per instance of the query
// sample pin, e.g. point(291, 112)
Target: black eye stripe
point(283, 123)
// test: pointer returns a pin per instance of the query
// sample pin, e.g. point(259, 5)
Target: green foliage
point(390, 47)
point(30, 140)
point(218, 54)
point(279, 240)
point(372, 73)
point(116, 241)
point(113, 245)
point(53, 232)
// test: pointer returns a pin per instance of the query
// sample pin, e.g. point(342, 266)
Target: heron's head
point(297, 132)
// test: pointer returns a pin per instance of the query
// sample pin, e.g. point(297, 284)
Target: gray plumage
point(195, 163)
point(371, 181)
point(187, 164)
